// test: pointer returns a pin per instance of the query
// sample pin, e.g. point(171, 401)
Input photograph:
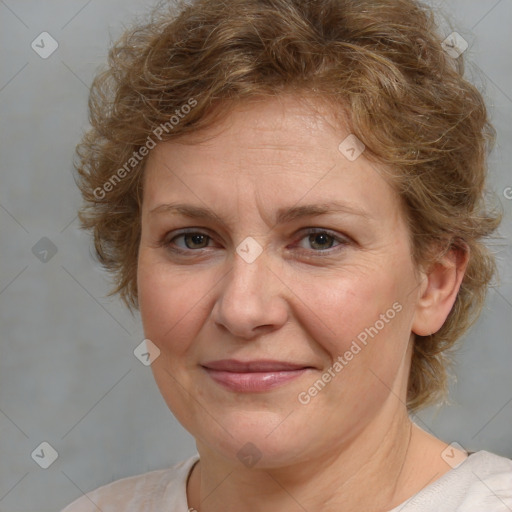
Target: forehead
point(281, 151)
point(262, 131)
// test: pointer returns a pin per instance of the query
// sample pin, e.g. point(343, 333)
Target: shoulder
point(489, 482)
point(147, 492)
point(482, 482)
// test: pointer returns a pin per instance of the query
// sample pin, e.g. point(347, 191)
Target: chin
point(260, 439)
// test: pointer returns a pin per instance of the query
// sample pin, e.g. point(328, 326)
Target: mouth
point(253, 376)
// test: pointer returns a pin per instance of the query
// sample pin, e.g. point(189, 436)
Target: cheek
point(169, 304)
point(172, 308)
point(364, 317)
point(340, 307)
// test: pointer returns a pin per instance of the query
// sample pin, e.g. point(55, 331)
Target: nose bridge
point(250, 296)
point(246, 285)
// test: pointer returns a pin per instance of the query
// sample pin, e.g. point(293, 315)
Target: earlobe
point(439, 291)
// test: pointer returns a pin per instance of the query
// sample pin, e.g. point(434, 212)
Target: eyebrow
point(284, 215)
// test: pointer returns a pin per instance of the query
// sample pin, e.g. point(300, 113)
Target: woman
point(291, 193)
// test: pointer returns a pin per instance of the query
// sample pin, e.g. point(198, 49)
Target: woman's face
point(296, 339)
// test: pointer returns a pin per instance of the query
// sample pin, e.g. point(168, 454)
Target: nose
point(252, 299)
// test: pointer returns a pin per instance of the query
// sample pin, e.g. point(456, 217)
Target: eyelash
point(342, 241)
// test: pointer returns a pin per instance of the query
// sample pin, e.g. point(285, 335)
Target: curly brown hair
point(380, 62)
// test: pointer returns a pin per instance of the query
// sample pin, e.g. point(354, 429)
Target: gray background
point(68, 375)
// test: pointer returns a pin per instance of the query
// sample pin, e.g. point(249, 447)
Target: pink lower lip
point(251, 382)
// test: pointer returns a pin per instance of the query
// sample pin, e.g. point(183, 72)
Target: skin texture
point(304, 299)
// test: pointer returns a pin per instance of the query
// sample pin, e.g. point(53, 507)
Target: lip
point(257, 365)
point(253, 376)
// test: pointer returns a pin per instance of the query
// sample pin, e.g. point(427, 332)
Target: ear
point(438, 291)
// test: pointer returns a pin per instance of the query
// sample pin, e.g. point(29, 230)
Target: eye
point(315, 240)
point(187, 242)
point(321, 240)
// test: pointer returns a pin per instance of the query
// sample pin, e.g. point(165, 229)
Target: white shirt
point(481, 483)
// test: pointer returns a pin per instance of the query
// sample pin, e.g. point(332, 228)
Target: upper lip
point(259, 365)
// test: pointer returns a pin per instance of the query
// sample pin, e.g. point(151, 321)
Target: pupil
point(197, 239)
point(322, 236)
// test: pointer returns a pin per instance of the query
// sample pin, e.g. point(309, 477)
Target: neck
point(371, 472)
